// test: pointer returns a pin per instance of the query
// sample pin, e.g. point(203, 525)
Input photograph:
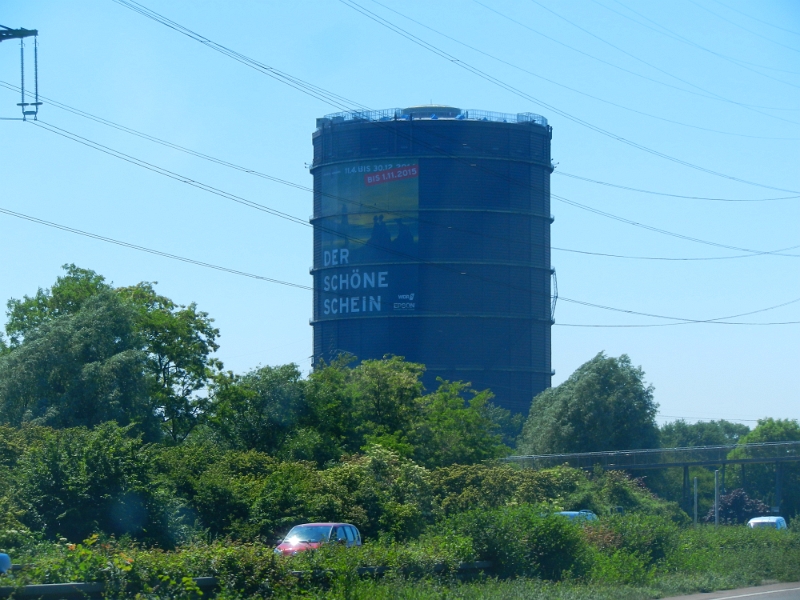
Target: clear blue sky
point(105, 59)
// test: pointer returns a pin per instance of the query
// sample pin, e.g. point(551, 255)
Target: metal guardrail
point(471, 114)
point(766, 452)
point(68, 591)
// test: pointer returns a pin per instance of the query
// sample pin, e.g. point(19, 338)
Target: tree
point(604, 405)
point(759, 479)
point(736, 508)
point(454, 431)
point(78, 369)
point(173, 346)
point(179, 341)
point(66, 297)
point(342, 410)
point(385, 396)
point(260, 410)
point(348, 408)
point(680, 434)
point(75, 482)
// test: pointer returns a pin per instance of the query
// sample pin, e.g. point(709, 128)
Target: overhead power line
point(616, 66)
point(749, 16)
point(662, 30)
point(139, 248)
point(490, 78)
point(222, 162)
point(656, 67)
point(659, 230)
point(109, 240)
point(257, 173)
point(308, 189)
point(297, 220)
point(763, 37)
point(237, 56)
point(305, 87)
point(577, 91)
point(641, 191)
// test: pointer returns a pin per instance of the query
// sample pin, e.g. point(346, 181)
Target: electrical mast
point(29, 109)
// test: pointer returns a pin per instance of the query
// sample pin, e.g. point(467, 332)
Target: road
point(778, 591)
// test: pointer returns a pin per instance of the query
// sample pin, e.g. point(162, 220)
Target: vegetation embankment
point(540, 557)
point(420, 523)
point(129, 456)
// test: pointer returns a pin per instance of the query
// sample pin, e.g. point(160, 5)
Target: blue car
point(578, 515)
point(5, 563)
point(767, 522)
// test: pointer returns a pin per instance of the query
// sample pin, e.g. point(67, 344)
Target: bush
point(621, 567)
point(520, 540)
point(651, 537)
point(74, 482)
point(737, 507)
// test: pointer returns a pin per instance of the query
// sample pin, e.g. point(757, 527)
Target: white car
point(769, 522)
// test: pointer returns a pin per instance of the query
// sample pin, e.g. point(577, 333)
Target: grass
point(531, 589)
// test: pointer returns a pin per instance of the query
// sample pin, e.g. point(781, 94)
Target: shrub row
point(521, 541)
point(75, 482)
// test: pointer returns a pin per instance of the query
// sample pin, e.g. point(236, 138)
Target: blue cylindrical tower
point(432, 242)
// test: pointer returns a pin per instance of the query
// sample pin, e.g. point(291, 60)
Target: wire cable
point(305, 87)
point(490, 78)
point(297, 220)
point(308, 189)
point(613, 65)
point(284, 77)
point(657, 229)
point(757, 19)
point(660, 29)
point(656, 67)
point(109, 240)
point(307, 288)
point(763, 37)
point(641, 191)
point(250, 171)
point(283, 215)
point(577, 91)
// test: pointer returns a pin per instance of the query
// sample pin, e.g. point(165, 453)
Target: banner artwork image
point(369, 228)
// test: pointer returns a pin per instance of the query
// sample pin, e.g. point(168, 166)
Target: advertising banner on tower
point(368, 226)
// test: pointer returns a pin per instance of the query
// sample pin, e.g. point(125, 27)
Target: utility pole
point(29, 109)
point(716, 498)
point(695, 501)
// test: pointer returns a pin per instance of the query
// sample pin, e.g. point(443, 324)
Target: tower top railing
point(431, 113)
point(660, 457)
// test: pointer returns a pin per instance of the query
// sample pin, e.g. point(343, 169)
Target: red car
point(310, 535)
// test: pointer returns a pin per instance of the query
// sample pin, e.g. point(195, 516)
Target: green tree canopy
point(604, 405)
point(452, 431)
point(773, 430)
point(66, 297)
point(759, 479)
point(78, 369)
point(83, 352)
point(680, 434)
point(260, 410)
point(343, 410)
point(179, 341)
point(75, 482)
